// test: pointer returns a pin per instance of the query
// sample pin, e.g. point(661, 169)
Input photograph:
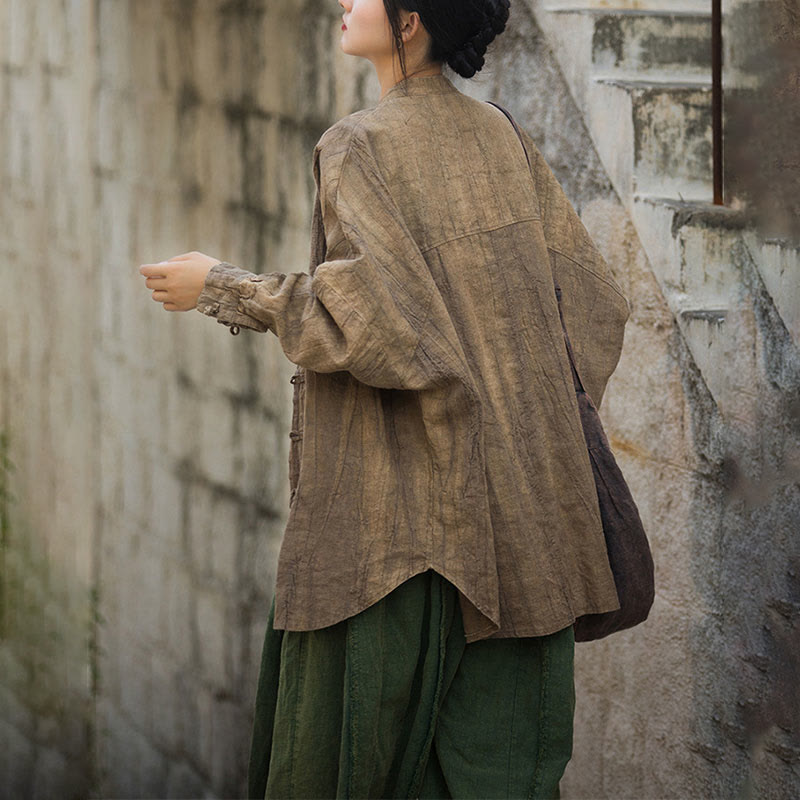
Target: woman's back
point(437, 277)
point(456, 172)
point(453, 164)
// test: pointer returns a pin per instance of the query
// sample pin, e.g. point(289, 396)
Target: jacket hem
point(284, 619)
point(557, 623)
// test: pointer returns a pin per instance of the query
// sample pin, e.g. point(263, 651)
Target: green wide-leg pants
point(392, 702)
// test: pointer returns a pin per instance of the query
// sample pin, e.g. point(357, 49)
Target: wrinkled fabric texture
point(435, 423)
point(393, 703)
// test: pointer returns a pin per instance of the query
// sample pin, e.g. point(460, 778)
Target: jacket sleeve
point(371, 308)
point(594, 308)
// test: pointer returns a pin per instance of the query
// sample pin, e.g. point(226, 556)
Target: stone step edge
point(688, 211)
point(699, 14)
point(630, 84)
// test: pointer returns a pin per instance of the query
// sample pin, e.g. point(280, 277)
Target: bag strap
point(576, 378)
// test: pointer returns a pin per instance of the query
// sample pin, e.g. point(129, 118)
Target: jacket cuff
point(221, 298)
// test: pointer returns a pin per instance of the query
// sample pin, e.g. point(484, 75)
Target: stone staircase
point(640, 72)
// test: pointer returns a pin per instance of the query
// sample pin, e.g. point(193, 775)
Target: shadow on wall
point(47, 713)
point(746, 567)
point(755, 541)
point(762, 148)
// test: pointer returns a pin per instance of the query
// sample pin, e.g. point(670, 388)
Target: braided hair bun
point(469, 58)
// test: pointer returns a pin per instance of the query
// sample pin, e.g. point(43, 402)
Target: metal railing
point(716, 98)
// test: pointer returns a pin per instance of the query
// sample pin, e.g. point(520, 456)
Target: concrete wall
point(149, 496)
point(48, 399)
point(138, 549)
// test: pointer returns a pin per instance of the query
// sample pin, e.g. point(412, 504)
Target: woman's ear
point(411, 24)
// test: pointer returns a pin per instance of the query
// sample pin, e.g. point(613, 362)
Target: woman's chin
point(346, 50)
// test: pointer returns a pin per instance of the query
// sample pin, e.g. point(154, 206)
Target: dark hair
point(460, 30)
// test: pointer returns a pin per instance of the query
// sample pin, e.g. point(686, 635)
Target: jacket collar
point(417, 85)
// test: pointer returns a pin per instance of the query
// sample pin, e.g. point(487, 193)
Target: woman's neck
point(388, 77)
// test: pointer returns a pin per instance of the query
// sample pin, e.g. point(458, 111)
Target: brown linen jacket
point(435, 422)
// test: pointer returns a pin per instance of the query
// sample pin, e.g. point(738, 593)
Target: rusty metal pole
point(716, 97)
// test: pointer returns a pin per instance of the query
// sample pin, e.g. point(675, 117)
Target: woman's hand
point(177, 283)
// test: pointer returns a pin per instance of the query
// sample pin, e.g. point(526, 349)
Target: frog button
point(246, 289)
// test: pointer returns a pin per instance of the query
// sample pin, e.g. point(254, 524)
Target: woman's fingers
point(176, 262)
point(156, 283)
point(155, 270)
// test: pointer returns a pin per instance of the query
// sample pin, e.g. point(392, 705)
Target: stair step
point(778, 264)
point(654, 138)
point(702, 12)
point(652, 83)
point(686, 243)
point(635, 42)
point(697, 254)
point(711, 315)
point(653, 7)
point(641, 42)
point(698, 212)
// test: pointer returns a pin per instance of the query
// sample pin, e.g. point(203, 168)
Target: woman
point(443, 530)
